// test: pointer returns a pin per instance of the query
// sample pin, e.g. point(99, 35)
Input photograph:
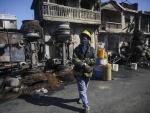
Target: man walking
point(84, 58)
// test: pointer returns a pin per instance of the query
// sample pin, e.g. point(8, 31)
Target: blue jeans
point(83, 83)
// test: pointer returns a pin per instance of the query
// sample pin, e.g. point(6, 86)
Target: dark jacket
point(79, 59)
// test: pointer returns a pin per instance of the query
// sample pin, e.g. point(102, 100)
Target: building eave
point(121, 7)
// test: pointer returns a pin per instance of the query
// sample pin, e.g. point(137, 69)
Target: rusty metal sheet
point(12, 52)
point(4, 52)
point(4, 58)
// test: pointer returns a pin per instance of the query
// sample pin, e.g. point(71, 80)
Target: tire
point(138, 48)
point(64, 26)
point(62, 38)
point(62, 32)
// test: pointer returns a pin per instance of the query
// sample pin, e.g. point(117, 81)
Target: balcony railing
point(55, 12)
point(112, 26)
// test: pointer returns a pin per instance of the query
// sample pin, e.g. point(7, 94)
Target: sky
point(21, 8)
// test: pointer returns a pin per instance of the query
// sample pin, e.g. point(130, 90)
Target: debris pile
point(53, 81)
point(134, 51)
point(32, 84)
point(31, 26)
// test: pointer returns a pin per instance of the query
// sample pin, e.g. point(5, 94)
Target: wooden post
point(139, 20)
point(79, 3)
point(123, 20)
point(148, 25)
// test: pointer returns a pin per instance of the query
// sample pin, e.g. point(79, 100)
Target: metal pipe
point(64, 54)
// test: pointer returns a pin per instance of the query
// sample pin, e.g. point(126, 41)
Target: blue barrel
point(101, 61)
point(97, 72)
point(97, 62)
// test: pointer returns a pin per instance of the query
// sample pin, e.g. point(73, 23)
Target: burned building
point(118, 21)
point(79, 14)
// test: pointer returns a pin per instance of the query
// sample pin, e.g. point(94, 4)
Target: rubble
point(134, 51)
point(34, 84)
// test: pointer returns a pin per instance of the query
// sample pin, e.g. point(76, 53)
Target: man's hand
point(81, 64)
point(90, 62)
point(88, 69)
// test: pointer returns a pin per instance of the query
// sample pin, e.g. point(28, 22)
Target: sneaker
point(87, 109)
point(79, 101)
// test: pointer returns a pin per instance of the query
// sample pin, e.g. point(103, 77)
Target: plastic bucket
point(100, 53)
point(134, 66)
point(115, 67)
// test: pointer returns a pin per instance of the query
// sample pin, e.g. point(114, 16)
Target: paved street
point(128, 92)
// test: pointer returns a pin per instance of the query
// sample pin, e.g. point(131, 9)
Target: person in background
point(84, 57)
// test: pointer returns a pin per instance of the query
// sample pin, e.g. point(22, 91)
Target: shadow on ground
point(52, 101)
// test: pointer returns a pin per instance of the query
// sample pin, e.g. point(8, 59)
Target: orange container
point(100, 53)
